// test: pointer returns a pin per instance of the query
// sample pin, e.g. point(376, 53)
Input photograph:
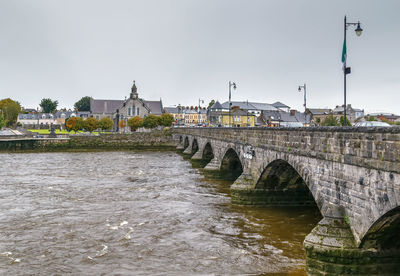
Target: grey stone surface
point(351, 172)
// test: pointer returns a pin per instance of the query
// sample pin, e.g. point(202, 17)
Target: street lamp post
point(347, 70)
point(247, 113)
point(305, 101)
point(179, 114)
point(198, 116)
point(231, 83)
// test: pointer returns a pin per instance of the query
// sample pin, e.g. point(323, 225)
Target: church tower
point(134, 93)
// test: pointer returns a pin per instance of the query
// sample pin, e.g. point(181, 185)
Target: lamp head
point(234, 85)
point(358, 29)
point(299, 88)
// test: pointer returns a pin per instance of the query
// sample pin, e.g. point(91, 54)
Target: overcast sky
point(181, 51)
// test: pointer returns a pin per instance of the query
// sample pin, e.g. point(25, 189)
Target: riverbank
point(155, 140)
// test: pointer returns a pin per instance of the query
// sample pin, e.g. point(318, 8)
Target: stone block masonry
point(352, 175)
point(138, 141)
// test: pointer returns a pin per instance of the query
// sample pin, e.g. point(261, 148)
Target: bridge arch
point(384, 234)
point(195, 146)
point(186, 143)
point(231, 165)
point(180, 139)
point(208, 152)
point(287, 183)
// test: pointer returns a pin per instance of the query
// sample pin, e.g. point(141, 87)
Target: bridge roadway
point(351, 174)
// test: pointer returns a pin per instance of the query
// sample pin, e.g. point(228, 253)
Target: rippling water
point(137, 213)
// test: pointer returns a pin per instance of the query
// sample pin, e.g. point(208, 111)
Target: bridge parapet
point(375, 148)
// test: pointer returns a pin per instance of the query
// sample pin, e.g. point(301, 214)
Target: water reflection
point(141, 213)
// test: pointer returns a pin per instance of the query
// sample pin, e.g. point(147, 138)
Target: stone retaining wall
point(140, 140)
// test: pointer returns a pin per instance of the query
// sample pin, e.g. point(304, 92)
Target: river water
point(137, 213)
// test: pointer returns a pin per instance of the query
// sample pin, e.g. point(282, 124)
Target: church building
point(118, 110)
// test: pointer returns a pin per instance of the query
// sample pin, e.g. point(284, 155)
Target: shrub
point(166, 120)
point(150, 121)
point(135, 123)
point(90, 124)
point(74, 123)
point(106, 123)
point(330, 121)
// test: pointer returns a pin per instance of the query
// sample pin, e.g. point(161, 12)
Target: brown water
point(137, 213)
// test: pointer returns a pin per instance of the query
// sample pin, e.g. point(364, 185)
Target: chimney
point(292, 112)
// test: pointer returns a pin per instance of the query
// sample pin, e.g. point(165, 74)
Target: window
point(133, 110)
point(137, 111)
point(129, 111)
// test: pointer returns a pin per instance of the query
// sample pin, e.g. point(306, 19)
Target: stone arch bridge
point(351, 174)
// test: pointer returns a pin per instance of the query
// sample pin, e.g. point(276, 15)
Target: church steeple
point(134, 93)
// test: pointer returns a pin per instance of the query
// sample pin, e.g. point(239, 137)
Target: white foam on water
point(128, 234)
point(103, 251)
point(6, 254)
point(123, 223)
point(15, 260)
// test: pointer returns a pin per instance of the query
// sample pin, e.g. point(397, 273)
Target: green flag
point(344, 52)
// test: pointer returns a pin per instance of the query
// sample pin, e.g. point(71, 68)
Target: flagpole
point(344, 72)
point(344, 60)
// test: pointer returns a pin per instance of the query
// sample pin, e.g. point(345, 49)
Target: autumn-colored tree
point(106, 123)
point(9, 109)
point(90, 124)
point(121, 124)
point(150, 121)
point(74, 123)
point(135, 123)
point(166, 120)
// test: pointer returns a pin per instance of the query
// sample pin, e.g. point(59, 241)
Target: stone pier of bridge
point(352, 175)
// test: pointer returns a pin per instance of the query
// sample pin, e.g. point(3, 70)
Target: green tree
point(3, 121)
point(90, 124)
point(106, 123)
point(135, 123)
point(150, 121)
point(9, 109)
point(83, 104)
point(212, 102)
point(330, 121)
point(166, 120)
point(342, 121)
point(48, 106)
